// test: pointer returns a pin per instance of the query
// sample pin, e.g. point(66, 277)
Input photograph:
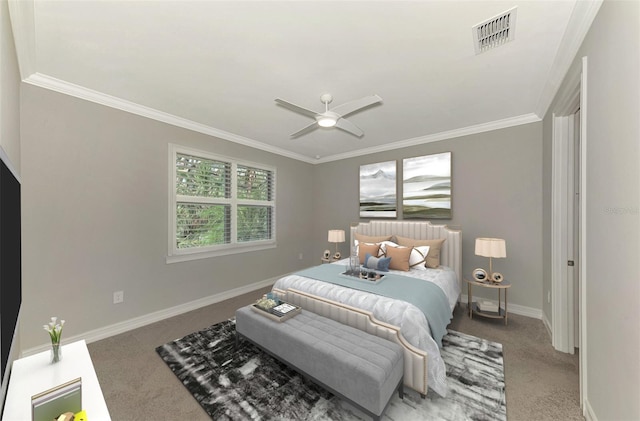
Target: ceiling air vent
point(495, 31)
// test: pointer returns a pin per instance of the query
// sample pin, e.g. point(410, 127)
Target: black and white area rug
point(246, 383)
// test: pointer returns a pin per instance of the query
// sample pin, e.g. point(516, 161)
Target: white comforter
point(411, 321)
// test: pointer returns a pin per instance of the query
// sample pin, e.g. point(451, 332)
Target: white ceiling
point(217, 66)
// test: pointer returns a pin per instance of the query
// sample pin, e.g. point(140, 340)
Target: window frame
point(180, 255)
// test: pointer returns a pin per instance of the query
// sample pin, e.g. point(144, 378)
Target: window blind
point(220, 202)
point(199, 177)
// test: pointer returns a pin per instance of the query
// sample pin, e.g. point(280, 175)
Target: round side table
point(473, 307)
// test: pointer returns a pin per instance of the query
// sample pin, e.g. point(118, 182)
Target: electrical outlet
point(299, 256)
point(118, 297)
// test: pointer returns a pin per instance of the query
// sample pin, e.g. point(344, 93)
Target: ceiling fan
point(334, 117)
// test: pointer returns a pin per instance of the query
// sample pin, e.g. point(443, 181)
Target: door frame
point(573, 97)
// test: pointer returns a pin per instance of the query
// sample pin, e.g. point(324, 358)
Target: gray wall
point(497, 192)
point(95, 217)
point(612, 48)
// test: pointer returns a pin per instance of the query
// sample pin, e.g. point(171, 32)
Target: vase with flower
point(55, 332)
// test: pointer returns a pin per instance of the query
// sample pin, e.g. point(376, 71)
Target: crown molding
point(23, 24)
point(436, 137)
point(21, 14)
point(584, 12)
point(51, 83)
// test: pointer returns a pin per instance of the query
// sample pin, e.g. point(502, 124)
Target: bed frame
point(415, 359)
point(450, 254)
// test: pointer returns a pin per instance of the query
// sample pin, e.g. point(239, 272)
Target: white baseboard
point(127, 325)
point(547, 324)
point(587, 411)
point(513, 308)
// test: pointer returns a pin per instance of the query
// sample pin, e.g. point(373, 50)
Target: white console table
point(34, 374)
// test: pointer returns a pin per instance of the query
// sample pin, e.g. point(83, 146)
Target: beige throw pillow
point(433, 258)
point(399, 257)
point(364, 248)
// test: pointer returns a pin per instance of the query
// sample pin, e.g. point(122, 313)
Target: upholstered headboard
point(451, 252)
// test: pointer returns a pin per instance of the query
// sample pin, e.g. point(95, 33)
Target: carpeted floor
point(246, 383)
point(541, 383)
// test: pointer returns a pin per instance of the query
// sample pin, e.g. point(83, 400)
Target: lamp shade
point(491, 247)
point(336, 236)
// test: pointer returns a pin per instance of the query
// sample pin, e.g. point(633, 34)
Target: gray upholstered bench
point(361, 368)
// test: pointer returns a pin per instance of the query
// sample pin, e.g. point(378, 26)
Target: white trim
point(583, 241)
point(176, 258)
point(588, 413)
point(23, 23)
point(57, 85)
point(48, 82)
point(147, 319)
point(465, 131)
point(561, 296)
point(584, 12)
point(569, 94)
point(547, 324)
point(171, 238)
point(534, 313)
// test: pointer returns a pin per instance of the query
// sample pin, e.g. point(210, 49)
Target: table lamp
point(491, 248)
point(336, 236)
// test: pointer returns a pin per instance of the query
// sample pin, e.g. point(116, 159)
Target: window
point(218, 205)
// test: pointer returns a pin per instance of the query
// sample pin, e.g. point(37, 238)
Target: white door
point(575, 240)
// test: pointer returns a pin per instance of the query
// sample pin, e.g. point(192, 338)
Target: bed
point(424, 367)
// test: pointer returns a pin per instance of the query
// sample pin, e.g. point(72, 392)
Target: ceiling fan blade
point(348, 126)
point(296, 108)
point(305, 129)
point(353, 106)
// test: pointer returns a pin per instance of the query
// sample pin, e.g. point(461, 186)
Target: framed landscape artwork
point(378, 190)
point(426, 187)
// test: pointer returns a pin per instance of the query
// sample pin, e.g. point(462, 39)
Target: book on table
point(282, 309)
point(487, 306)
point(51, 404)
point(281, 312)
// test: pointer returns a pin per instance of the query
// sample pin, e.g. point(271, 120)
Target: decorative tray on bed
point(370, 277)
point(280, 312)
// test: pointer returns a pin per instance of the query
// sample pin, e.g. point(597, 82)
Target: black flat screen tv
point(10, 264)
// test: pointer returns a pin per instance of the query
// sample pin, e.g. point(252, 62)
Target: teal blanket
point(426, 296)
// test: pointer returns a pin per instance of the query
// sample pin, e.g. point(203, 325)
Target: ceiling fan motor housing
point(326, 98)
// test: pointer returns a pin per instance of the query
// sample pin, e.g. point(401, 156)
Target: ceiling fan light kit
point(326, 121)
point(334, 117)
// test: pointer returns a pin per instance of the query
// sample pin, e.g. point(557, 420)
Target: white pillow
point(418, 258)
point(383, 246)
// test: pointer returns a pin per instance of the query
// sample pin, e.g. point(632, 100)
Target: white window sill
point(234, 249)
